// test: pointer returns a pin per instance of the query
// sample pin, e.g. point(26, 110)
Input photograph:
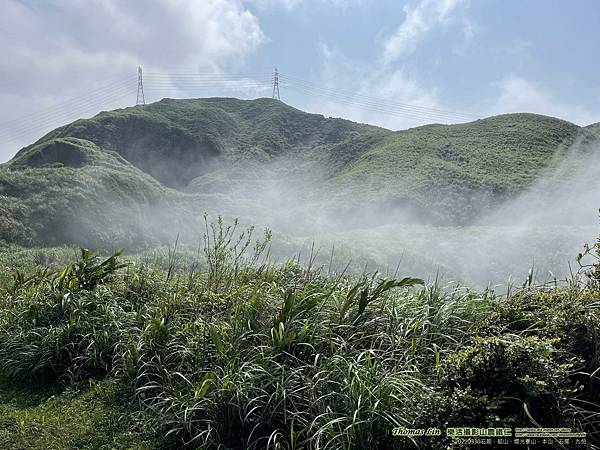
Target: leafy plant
point(61, 324)
point(366, 291)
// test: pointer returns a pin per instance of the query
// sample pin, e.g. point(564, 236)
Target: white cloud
point(518, 94)
point(62, 50)
point(290, 5)
point(469, 31)
point(385, 95)
point(266, 4)
point(420, 20)
point(364, 93)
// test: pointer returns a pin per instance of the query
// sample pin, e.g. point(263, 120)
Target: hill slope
point(178, 140)
point(70, 190)
point(105, 180)
point(457, 171)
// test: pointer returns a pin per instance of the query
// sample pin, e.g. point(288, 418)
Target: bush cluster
point(249, 355)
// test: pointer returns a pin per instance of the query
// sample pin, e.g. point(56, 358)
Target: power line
point(99, 97)
point(61, 105)
point(377, 107)
point(207, 78)
point(252, 80)
point(315, 89)
point(223, 84)
point(293, 79)
point(186, 82)
point(55, 120)
point(183, 91)
point(208, 74)
point(184, 86)
point(116, 90)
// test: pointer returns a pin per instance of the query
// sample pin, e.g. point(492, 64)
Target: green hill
point(139, 175)
point(70, 190)
point(456, 171)
point(178, 140)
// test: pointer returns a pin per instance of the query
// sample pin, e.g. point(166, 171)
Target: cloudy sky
point(394, 63)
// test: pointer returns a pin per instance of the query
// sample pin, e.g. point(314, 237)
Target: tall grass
point(246, 354)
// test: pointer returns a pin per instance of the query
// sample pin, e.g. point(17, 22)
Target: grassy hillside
point(178, 140)
point(141, 175)
point(70, 190)
point(458, 170)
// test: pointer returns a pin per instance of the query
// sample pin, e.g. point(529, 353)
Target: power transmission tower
point(276, 85)
point(140, 89)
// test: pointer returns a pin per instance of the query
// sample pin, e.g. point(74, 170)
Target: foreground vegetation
point(230, 351)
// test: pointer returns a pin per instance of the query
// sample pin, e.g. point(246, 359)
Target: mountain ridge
point(241, 156)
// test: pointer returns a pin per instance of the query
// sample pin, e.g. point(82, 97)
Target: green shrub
point(61, 324)
point(506, 381)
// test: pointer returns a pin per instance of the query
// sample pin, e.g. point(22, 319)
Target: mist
point(479, 236)
point(541, 229)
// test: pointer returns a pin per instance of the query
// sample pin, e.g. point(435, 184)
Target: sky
point(392, 63)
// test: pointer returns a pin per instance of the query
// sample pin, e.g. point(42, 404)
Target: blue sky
point(68, 58)
point(481, 57)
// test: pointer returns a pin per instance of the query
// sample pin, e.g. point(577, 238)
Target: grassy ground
point(238, 353)
point(87, 415)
